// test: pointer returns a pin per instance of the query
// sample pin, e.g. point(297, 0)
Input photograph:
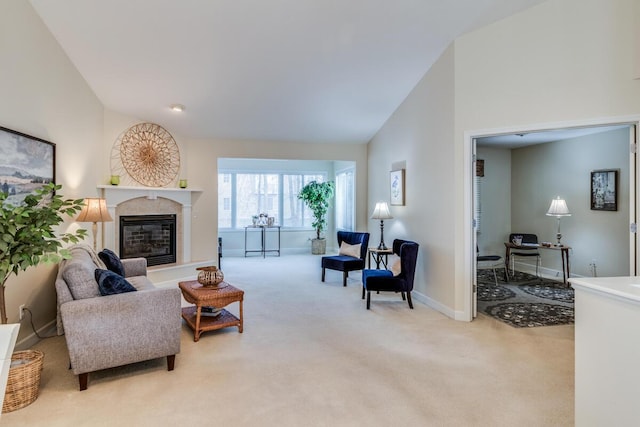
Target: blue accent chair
point(347, 263)
point(384, 280)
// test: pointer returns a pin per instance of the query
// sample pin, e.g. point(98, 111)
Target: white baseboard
point(430, 302)
point(30, 340)
point(547, 273)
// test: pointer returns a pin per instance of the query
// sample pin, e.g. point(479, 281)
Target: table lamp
point(95, 211)
point(558, 209)
point(381, 212)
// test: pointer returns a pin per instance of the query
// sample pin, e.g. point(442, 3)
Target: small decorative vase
point(115, 179)
point(210, 276)
point(182, 183)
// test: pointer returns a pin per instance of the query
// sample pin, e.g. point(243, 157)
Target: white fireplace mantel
point(115, 195)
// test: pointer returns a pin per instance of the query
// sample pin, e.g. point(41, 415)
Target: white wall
point(43, 95)
point(561, 61)
point(543, 172)
point(419, 134)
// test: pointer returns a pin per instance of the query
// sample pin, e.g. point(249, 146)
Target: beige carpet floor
point(312, 355)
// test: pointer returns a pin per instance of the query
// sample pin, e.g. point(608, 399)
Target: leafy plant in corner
point(317, 195)
point(27, 236)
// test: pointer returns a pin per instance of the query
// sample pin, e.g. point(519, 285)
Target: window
point(345, 202)
point(276, 194)
point(224, 197)
point(477, 206)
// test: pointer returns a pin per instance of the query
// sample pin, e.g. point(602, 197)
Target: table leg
point(196, 331)
point(565, 262)
point(378, 259)
point(240, 327)
point(369, 261)
point(507, 255)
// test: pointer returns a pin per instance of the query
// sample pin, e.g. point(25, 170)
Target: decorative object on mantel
point(148, 154)
point(182, 183)
point(210, 276)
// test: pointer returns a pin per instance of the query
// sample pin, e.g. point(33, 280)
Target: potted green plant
point(27, 235)
point(317, 196)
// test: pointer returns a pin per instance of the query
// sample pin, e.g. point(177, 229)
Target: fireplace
point(149, 236)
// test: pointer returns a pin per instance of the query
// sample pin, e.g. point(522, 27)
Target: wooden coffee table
point(219, 297)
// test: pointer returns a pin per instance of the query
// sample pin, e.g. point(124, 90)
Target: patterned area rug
point(526, 300)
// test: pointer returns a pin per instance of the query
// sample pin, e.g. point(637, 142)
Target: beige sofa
point(113, 330)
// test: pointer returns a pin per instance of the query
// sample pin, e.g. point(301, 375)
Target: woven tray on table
point(24, 379)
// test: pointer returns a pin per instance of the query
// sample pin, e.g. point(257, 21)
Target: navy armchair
point(346, 263)
point(384, 280)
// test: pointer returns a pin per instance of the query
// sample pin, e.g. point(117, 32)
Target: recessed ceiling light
point(177, 107)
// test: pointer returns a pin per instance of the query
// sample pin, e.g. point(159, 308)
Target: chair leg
point(409, 300)
point(323, 273)
point(171, 362)
point(345, 274)
point(368, 299)
point(495, 276)
point(403, 297)
point(362, 291)
point(83, 379)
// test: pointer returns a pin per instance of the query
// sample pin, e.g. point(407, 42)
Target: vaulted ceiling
point(289, 70)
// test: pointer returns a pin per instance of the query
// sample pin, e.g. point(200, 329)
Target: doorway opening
point(525, 170)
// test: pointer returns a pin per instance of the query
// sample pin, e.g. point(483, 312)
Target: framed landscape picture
point(28, 163)
point(604, 190)
point(397, 187)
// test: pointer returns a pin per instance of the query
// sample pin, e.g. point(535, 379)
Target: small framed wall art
point(397, 187)
point(28, 164)
point(604, 190)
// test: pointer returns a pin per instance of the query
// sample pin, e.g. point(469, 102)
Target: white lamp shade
point(94, 210)
point(381, 211)
point(558, 208)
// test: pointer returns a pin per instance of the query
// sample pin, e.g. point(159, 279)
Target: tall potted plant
point(317, 196)
point(27, 235)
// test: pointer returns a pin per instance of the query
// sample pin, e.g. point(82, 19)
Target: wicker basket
point(24, 380)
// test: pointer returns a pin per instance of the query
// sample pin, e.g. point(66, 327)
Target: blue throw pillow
point(112, 261)
point(110, 283)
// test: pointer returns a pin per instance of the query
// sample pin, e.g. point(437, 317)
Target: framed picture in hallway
point(28, 164)
point(397, 187)
point(604, 190)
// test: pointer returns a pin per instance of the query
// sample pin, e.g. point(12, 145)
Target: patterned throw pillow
point(112, 261)
point(111, 283)
point(350, 250)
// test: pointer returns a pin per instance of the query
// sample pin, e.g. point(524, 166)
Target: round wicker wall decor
point(148, 153)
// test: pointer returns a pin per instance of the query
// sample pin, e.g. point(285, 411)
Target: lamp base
point(382, 247)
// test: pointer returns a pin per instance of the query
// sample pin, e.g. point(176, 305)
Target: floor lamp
point(558, 209)
point(95, 211)
point(381, 212)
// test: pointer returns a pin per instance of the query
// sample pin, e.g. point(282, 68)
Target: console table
point(263, 239)
point(564, 254)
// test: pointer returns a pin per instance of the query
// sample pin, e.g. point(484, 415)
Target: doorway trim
point(469, 238)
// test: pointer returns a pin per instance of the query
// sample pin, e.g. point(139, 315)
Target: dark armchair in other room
point(346, 263)
point(384, 280)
